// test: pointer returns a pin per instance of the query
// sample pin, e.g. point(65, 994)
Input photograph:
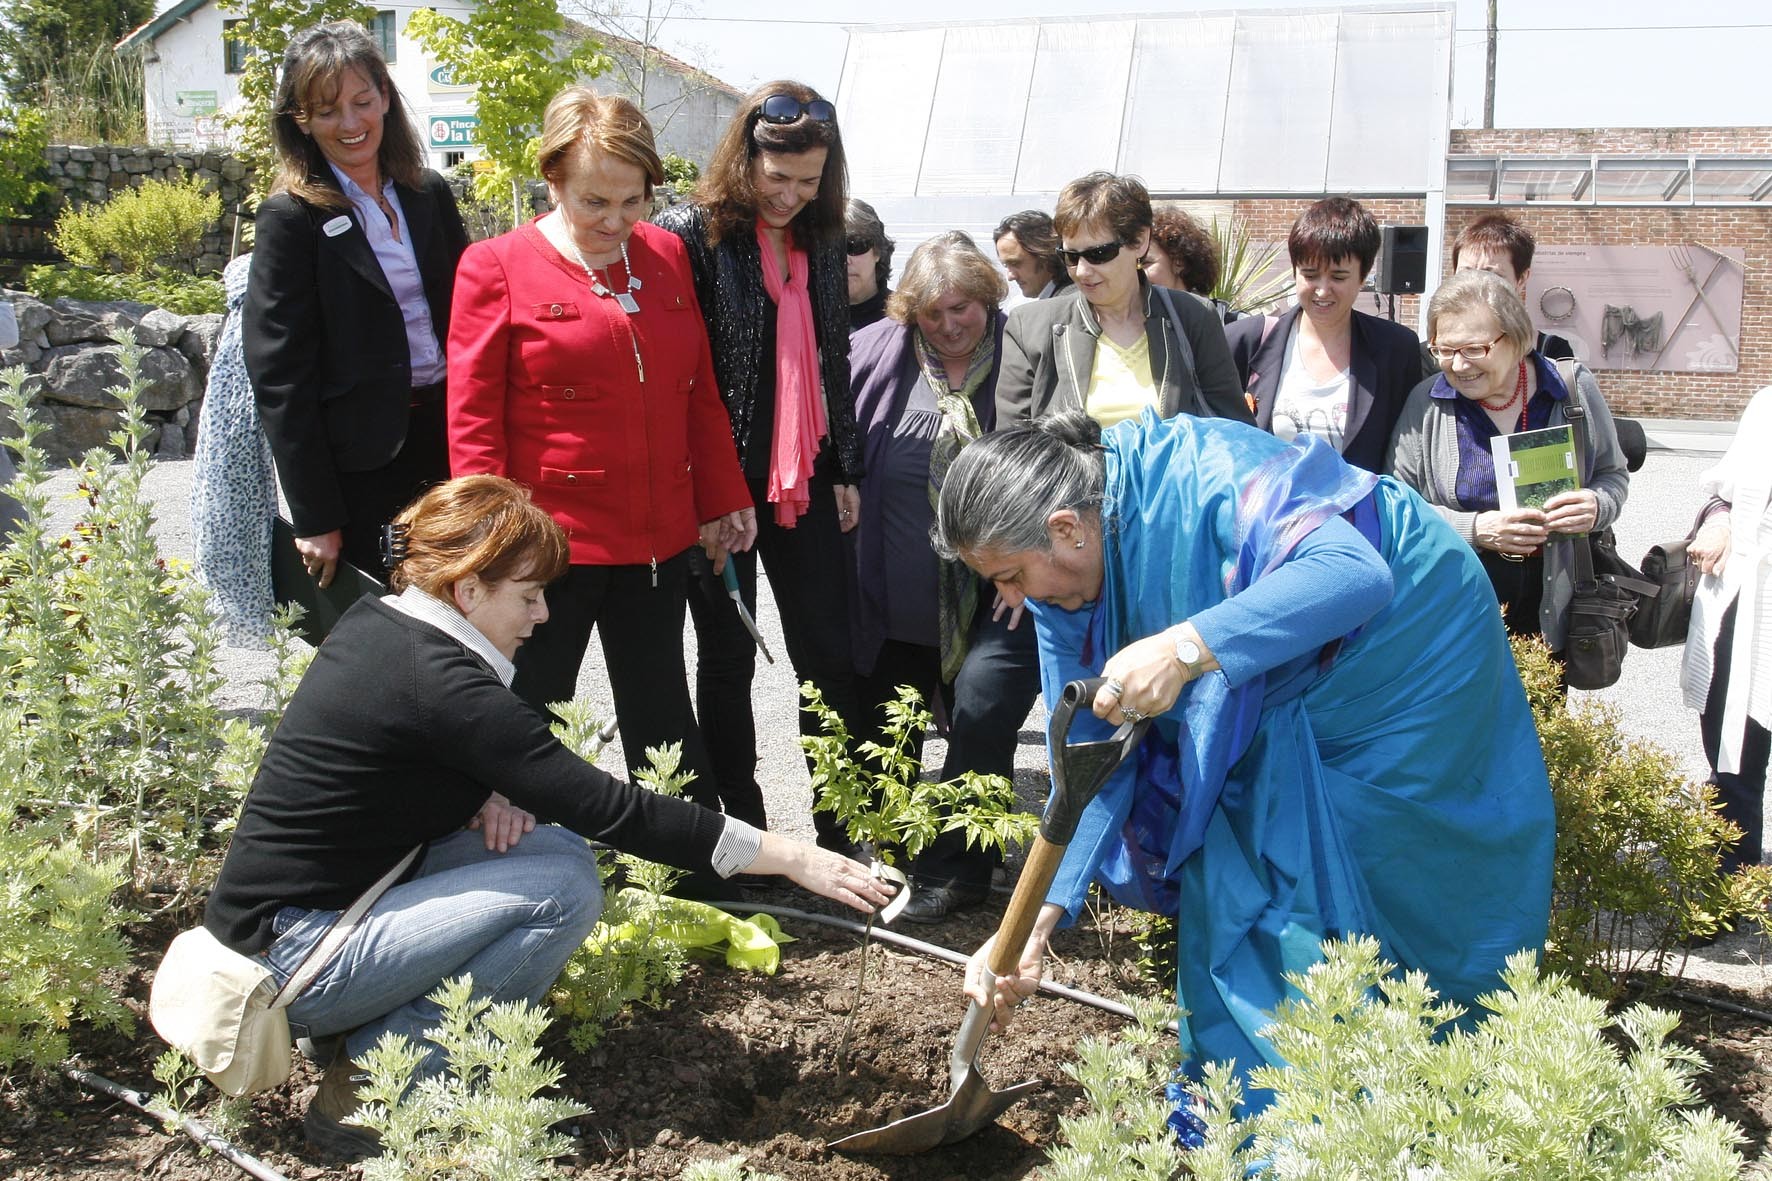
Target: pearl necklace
point(1518, 395)
point(623, 299)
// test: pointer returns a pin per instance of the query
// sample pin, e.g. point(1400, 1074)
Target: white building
point(193, 65)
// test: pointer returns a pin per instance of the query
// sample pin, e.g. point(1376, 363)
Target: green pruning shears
point(729, 575)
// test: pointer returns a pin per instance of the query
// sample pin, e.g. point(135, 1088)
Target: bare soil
point(743, 1064)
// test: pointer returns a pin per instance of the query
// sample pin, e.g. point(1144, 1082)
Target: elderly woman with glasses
point(1112, 344)
point(925, 387)
point(870, 265)
point(765, 235)
point(1494, 381)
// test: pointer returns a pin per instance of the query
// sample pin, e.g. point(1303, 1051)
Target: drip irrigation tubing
point(196, 1129)
point(933, 950)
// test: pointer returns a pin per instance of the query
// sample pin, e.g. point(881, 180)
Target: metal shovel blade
point(972, 1106)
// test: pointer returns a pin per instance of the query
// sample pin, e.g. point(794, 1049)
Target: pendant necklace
point(623, 299)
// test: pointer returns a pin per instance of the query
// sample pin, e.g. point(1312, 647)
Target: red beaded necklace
point(1518, 396)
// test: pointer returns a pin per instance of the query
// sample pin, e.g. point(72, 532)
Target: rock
point(33, 314)
point(85, 375)
point(84, 155)
point(159, 327)
point(171, 444)
point(79, 320)
point(198, 342)
point(232, 169)
point(57, 153)
point(74, 430)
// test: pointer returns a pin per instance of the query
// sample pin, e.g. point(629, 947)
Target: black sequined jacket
point(729, 284)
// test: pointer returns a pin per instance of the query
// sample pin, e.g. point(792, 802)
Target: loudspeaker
point(1402, 260)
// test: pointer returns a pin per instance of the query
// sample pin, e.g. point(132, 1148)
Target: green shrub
point(1382, 1085)
point(24, 173)
point(485, 1117)
point(1637, 843)
point(176, 291)
point(159, 223)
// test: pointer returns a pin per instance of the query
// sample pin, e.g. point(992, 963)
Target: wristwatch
point(1189, 654)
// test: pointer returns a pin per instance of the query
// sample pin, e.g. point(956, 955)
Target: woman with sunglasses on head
point(579, 366)
point(347, 306)
point(1323, 368)
point(1494, 381)
point(1112, 344)
point(765, 235)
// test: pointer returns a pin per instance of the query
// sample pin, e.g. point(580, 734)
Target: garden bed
point(738, 1063)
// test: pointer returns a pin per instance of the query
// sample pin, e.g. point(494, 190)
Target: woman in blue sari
point(1341, 743)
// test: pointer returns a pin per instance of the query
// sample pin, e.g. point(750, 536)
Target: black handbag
point(1607, 594)
point(1662, 622)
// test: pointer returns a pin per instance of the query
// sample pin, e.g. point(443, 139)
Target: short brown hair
point(311, 75)
point(1121, 203)
point(605, 124)
point(725, 193)
point(947, 262)
point(1497, 233)
point(484, 525)
point(1335, 227)
point(1469, 289)
point(1189, 246)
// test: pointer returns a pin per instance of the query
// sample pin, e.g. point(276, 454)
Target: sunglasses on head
point(785, 108)
point(1105, 253)
point(860, 246)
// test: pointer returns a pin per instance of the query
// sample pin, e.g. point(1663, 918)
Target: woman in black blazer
point(1324, 368)
point(348, 304)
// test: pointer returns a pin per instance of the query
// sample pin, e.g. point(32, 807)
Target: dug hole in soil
point(737, 1063)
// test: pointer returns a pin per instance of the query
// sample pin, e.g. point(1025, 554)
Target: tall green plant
point(1638, 845)
point(518, 54)
point(267, 27)
point(38, 35)
point(1248, 278)
point(93, 95)
point(24, 171)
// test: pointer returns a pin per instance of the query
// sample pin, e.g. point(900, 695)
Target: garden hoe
point(1078, 774)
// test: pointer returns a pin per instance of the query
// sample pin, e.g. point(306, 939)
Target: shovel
point(1080, 771)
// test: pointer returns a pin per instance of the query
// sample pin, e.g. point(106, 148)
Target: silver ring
point(1115, 687)
point(1132, 715)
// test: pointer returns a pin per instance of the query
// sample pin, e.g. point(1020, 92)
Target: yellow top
point(1122, 384)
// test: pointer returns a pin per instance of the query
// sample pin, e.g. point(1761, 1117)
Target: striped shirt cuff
point(738, 846)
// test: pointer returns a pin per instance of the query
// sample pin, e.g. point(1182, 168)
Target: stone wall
point(68, 348)
point(90, 175)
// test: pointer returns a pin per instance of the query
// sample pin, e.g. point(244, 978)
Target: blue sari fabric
point(1390, 783)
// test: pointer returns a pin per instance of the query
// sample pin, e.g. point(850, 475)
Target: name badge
point(337, 226)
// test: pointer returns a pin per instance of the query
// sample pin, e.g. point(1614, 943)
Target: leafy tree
point(268, 27)
point(518, 55)
point(22, 169)
point(37, 34)
point(630, 30)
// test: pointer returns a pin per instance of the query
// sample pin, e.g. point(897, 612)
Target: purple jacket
point(883, 370)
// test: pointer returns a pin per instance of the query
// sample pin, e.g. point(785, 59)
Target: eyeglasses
point(1105, 253)
point(785, 108)
point(1470, 352)
point(860, 246)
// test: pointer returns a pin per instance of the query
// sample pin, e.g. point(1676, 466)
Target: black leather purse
point(1662, 622)
point(1608, 593)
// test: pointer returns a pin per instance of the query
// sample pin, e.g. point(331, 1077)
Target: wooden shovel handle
point(1024, 905)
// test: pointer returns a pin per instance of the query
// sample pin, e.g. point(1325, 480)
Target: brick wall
point(1718, 396)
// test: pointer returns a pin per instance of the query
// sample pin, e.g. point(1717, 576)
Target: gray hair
point(948, 262)
point(1002, 488)
point(1470, 290)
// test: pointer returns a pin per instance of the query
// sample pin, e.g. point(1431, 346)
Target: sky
point(1560, 63)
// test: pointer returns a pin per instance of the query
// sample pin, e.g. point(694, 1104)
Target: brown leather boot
point(337, 1098)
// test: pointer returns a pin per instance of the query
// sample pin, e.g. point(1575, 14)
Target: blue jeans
point(511, 920)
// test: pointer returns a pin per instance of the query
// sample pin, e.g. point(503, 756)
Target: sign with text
point(441, 80)
point(1664, 308)
point(454, 131)
point(191, 103)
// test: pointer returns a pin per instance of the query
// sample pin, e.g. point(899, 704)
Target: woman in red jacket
point(579, 366)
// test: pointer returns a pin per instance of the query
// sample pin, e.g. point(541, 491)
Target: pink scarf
point(799, 395)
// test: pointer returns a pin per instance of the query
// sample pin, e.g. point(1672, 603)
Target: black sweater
point(396, 736)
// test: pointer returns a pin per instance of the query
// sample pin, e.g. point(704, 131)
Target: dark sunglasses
point(859, 246)
point(785, 108)
point(1105, 253)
